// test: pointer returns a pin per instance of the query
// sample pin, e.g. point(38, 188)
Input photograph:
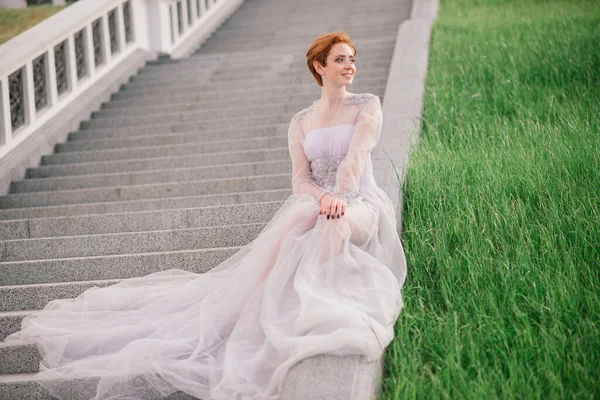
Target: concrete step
point(10, 322)
point(151, 75)
point(201, 110)
point(101, 143)
point(300, 85)
point(150, 164)
point(128, 242)
point(251, 59)
point(168, 150)
point(312, 92)
point(367, 24)
point(290, 52)
point(220, 91)
point(16, 274)
point(33, 272)
point(148, 177)
point(212, 140)
point(198, 100)
point(295, 81)
point(197, 126)
point(209, 68)
point(283, 74)
point(299, 82)
point(386, 34)
point(291, 74)
point(139, 221)
point(191, 118)
point(273, 9)
point(265, 23)
point(24, 386)
point(148, 191)
point(19, 358)
point(359, 28)
point(214, 134)
point(171, 203)
point(222, 48)
point(34, 297)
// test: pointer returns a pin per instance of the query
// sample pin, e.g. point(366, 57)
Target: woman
point(324, 276)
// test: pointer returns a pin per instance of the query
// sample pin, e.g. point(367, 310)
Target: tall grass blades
point(502, 223)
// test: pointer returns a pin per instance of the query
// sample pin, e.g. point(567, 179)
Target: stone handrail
point(49, 66)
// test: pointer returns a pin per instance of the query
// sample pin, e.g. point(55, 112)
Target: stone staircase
point(179, 169)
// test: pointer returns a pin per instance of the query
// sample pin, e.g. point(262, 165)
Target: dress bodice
point(325, 149)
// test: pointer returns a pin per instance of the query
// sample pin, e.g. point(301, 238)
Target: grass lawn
point(502, 219)
point(16, 21)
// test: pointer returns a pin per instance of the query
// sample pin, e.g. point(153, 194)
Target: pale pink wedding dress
point(306, 285)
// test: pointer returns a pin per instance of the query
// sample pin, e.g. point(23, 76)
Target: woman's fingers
point(334, 209)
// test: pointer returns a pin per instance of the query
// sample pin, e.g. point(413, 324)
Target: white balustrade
point(46, 68)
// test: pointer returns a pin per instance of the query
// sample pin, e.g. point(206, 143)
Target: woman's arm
point(367, 131)
point(302, 179)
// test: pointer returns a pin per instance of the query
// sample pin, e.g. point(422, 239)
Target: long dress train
point(306, 285)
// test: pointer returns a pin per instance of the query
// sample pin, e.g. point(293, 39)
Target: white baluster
point(51, 78)
point(5, 125)
point(121, 28)
point(29, 93)
point(174, 23)
point(202, 4)
point(184, 16)
point(194, 11)
point(105, 39)
point(71, 63)
point(89, 50)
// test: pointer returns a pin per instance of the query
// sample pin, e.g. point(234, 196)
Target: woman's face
point(339, 68)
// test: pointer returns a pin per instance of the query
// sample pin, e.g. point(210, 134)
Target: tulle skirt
point(306, 285)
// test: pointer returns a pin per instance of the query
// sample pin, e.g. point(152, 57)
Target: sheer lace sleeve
point(302, 179)
point(367, 130)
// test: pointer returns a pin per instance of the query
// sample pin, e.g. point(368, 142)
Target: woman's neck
point(333, 93)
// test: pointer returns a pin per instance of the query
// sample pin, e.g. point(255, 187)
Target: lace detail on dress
point(359, 99)
point(300, 114)
point(324, 170)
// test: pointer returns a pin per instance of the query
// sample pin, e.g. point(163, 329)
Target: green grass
point(502, 219)
point(16, 21)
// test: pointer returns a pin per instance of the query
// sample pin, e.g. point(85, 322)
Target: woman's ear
point(318, 67)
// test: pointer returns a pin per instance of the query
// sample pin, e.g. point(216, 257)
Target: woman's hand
point(331, 206)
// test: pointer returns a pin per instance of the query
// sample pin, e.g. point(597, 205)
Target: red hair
point(320, 48)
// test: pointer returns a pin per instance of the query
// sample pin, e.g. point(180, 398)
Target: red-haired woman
point(324, 276)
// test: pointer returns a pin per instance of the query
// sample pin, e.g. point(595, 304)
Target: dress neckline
point(328, 127)
point(348, 94)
